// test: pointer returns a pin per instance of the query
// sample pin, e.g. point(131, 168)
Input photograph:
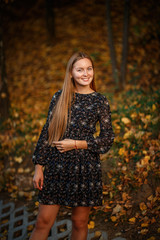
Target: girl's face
point(82, 72)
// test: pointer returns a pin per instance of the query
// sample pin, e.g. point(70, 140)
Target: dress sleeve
point(104, 141)
point(42, 149)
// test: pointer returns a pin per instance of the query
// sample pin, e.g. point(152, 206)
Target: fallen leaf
point(144, 225)
point(151, 238)
point(128, 134)
point(117, 209)
point(113, 218)
point(18, 159)
point(153, 107)
point(124, 196)
point(132, 220)
point(144, 231)
point(91, 225)
point(142, 206)
point(121, 151)
point(126, 120)
point(97, 234)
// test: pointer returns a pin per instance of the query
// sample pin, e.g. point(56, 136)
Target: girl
point(70, 152)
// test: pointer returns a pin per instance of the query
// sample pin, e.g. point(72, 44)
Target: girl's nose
point(85, 73)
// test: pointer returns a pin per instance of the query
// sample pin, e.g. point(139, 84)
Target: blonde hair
point(62, 111)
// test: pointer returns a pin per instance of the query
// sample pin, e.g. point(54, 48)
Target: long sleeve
point(104, 141)
point(41, 152)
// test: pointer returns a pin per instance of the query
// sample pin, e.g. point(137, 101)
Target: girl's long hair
point(62, 111)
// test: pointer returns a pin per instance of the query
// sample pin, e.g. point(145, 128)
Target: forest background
point(123, 39)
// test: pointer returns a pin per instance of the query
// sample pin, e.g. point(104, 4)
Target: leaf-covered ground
point(35, 70)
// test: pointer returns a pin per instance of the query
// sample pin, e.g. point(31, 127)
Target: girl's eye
point(90, 69)
point(79, 70)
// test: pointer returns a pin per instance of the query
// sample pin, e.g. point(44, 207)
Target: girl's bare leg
point(45, 219)
point(80, 223)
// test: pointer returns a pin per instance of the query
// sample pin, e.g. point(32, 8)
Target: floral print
point(73, 178)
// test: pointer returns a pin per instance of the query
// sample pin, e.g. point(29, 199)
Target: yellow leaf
point(144, 152)
point(132, 220)
point(34, 138)
point(127, 134)
point(150, 198)
point(134, 115)
point(121, 151)
point(142, 206)
point(145, 160)
point(91, 225)
point(36, 203)
point(158, 230)
point(113, 218)
point(153, 107)
point(148, 117)
point(30, 227)
point(126, 120)
point(105, 192)
point(18, 159)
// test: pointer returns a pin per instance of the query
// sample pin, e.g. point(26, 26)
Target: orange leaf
point(142, 206)
point(124, 196)
point(113, 218)
point(132, 220)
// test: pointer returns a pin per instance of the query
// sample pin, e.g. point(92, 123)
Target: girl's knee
point(42, 223)
point(79, 223)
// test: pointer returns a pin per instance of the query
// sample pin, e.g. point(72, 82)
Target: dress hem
point(68, 205)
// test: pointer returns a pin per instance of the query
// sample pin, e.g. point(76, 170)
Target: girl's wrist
point(38, 167)
point(75, 144)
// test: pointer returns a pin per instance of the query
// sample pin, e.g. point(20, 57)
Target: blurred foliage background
point(123, 38)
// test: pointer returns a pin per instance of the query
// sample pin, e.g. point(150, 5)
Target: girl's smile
point(83, 72)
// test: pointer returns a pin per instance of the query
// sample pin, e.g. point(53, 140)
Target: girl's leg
point(80, 223)
point(45, 219)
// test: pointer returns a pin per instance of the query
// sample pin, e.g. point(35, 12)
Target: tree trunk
point(4, 95)
point(111, 44)
point(125, 42)
point(50, 19)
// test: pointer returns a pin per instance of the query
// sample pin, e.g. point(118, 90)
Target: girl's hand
point(65, 145)
point(38, 177)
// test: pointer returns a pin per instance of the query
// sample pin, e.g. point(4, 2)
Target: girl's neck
point(83, 90)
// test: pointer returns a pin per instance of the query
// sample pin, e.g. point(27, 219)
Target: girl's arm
point(102, 143)
point(40, 155)
point(69, 144)
point(38, 177)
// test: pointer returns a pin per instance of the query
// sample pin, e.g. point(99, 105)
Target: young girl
point(70, 152)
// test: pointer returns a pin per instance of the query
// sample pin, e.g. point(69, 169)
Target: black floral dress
point(73, 178)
